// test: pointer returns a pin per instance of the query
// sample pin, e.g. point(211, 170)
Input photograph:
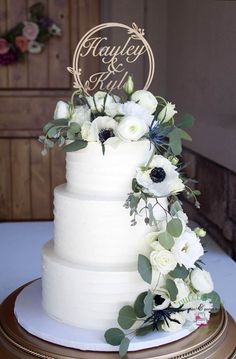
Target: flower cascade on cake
point(180, 290)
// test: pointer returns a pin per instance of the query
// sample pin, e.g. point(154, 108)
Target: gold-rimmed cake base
point(217, 340)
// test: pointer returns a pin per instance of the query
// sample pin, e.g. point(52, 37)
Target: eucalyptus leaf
point(145, 268)
point(70, 135)
point(114, 336)
point(152, 220)
point(60, 122)
point(75, 146)
point(184, 135)
point(175, 207)
point(74, 127)
point(179, 272)
point(53, 131)
point(174, 227)
point(172, 289)
point(148, 303)
point(187, 121)
point(127, 317)
point(166, 240)
point(47, 127)
point(215, 300)
point(175, 142)
point(139, 305)
point(144, 330)
point(124, 346)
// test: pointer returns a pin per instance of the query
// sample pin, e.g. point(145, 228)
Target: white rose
point(113, 109)
point(171, 326)
point(187, 249)
point(202, 281)
point(131, 108)
point(163, 260)
point(99, 100)
point(167, 113)
point(131, 128)
point(61, 110)
point(81, 114)
point(145, 99)
point(183, 289)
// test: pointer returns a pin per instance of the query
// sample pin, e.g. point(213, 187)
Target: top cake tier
point(90, 173)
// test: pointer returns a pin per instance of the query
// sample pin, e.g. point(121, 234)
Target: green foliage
point(148, 303)
point(75, 146)
point(172, 289)
point(215, 300)
point(139, 305)
point(152, 220)
point(74, 127)
point(175, 137)
point(144, 330)
point(187, 121)
point(166, 240)
point(174, 227)
point(179, 272)
point(114, 336)
point(124, 346)
point(127, 317)
point(175, 207)
point(145, 268)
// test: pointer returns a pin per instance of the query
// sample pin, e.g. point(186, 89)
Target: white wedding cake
point(90, 268)
point(123, 255)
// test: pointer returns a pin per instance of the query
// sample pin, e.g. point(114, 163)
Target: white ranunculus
point(183, 290)
point(99, 100)
point(202, 281)
point(160, 178)
point(131, 108)
point(81, 114)
point(167, 113)
point(145, 99)
point(131, 128)
point(102, 128)
point(187, 249)
point(164, 261)
point(61, 110)
point(171, 326)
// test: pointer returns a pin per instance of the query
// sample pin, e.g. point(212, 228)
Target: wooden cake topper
point(115, 60)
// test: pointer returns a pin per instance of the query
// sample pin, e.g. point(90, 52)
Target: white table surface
point(20, 256)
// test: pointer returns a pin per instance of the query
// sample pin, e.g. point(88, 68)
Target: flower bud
point(129, 86)
point(200, 232)
point(174, 160)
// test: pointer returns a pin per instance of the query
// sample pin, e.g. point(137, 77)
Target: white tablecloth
point(20, 253)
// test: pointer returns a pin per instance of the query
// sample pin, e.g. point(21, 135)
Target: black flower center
point(158, 299)
point(157, 174)
point(105, 133)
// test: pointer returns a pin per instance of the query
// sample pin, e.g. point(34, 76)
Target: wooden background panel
point(5, 180)
point(3, 27)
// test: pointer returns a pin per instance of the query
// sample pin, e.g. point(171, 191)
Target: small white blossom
point(61, 110)
point(35, 47)
point(167, 113)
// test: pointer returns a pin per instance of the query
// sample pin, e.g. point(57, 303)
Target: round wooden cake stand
point(217, 340)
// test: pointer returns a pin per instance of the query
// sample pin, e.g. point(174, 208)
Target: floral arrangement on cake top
point(180, 290)
point(27, 36)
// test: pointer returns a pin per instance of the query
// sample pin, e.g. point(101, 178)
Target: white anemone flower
point(161, 178)
point(100, 130)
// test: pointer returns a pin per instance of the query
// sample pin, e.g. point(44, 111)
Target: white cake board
point(32, 317)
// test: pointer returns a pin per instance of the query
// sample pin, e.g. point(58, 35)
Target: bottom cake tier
point(87, 297)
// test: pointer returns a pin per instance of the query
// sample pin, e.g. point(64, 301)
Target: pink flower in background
point(4, 46)
point(22, 43)
point(30, 30)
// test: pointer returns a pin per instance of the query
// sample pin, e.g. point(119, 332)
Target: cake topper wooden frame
point(109, 57)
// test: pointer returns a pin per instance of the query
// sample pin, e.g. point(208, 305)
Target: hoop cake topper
point(117, 59)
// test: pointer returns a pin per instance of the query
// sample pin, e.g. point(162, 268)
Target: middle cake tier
point(98, 232)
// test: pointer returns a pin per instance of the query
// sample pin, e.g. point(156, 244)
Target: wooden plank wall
point(28, 94)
